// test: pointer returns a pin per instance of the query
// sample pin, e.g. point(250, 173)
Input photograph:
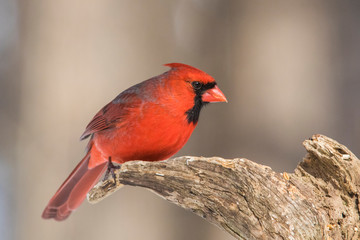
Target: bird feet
point(110, 169)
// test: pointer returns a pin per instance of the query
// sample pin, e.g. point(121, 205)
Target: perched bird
point(150, 121)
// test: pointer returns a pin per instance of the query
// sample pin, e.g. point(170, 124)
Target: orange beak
point(214, 95)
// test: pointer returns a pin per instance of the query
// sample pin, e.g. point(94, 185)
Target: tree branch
point(320, 200)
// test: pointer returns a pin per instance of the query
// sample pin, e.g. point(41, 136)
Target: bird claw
point(111, 169)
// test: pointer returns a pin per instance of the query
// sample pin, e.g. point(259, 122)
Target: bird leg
point(110, 169)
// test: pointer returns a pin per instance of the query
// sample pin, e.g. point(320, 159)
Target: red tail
point(73, 191)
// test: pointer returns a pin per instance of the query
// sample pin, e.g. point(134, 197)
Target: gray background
point(289, 69)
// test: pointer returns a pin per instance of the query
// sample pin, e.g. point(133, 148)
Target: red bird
point(150, 121)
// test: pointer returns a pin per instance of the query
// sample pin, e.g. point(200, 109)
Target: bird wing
point(113, 113)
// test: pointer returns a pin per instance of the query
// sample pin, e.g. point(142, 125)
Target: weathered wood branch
point(320, 200)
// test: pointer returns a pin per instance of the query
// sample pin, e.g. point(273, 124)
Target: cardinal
point(149, 121)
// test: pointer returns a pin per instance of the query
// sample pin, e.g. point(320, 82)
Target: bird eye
point(196, 85)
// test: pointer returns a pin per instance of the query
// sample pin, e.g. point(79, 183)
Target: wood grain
point(320, 200)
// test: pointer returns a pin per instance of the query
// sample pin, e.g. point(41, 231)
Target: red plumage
point(150, 121)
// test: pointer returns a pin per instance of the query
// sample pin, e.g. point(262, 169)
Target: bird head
point(200, 85)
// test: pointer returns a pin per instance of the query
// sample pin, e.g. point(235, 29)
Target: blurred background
point(289, 69)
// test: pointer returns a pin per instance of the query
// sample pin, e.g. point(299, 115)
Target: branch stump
point(320, 200)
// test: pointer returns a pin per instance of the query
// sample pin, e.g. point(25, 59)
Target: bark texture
point(320, 200)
